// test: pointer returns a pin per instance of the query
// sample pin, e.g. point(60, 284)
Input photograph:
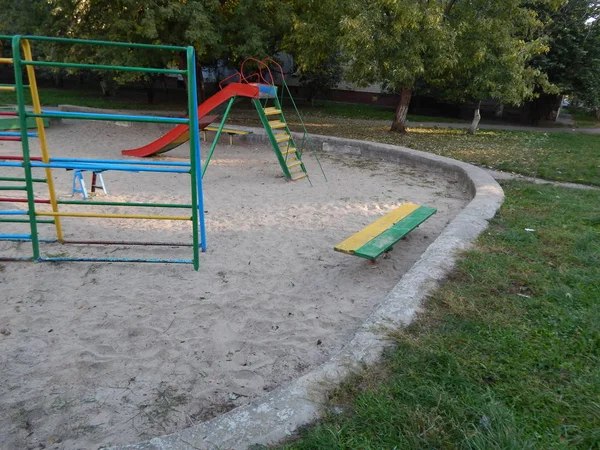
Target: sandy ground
point(94, 354)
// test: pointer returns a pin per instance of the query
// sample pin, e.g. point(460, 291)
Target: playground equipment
point(35, 217)
point(260, 87)
point(381, 235)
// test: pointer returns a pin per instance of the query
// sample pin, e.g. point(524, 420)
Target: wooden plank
point(228, 130)
point(388, 238)
point(373, 230)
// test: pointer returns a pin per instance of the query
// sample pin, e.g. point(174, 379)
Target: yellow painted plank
point(373, 230)
point(7, 88)
point(112, 216)
point(277, 124)
point(227, 130)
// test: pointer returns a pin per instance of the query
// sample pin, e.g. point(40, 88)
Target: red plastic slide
point(181, 133)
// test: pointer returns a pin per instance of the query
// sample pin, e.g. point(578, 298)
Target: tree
point(393, 44)
point(218, 29)
point(495, 42)
point(573, 62)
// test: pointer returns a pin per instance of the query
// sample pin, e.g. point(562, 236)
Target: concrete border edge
point(280, 413)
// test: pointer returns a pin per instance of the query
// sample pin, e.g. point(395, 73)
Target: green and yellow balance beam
point(230, 132)
point(381, 235)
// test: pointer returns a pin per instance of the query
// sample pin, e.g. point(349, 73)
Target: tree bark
point(598, 115)
point(476, 119)
point(399, 123)
point(201, 85)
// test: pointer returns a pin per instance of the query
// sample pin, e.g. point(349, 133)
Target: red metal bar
point(237, 74)
point(10, 138)
point(19, 158)
point(7, 113)
point(260, 64)
point(20, 200)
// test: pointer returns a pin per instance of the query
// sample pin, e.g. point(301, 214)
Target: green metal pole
point(16, 51)
point(33, 180)
point(265, 123)
point(214, 144)
point(194, 150)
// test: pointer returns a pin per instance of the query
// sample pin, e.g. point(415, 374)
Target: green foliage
point(495, 42)
point(388, 43)
point(573, 62)
point(321, 80)
point(219, 29)
point(506, 355)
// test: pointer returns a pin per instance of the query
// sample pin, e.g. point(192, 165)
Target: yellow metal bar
point(37, 109)
point(112, 216)
point(7, 89)
point(6, 61)
point(373, 230)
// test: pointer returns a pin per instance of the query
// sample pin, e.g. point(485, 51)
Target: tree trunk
point(399, 123)
point(598, 115)
point(476, 119)
point(499, 110)
point(201, 86)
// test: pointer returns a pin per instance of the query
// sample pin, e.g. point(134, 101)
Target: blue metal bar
point(132, 260)
point(29, 239)
point(91, 167)
point(14, 212)
point(15, 236)
point(195, 139)
point(123, 161)
point(114, 117)
point(16, 133)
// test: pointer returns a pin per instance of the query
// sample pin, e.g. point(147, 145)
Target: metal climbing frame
point(22, 59)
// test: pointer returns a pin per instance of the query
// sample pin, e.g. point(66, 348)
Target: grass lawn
point(94, 99)
point(583, 119)
point(363, 111)
point(507, 355)
point(552, 156)
point(556, 156)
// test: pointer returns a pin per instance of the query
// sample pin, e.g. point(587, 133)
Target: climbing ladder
point(280, 136)
point(28, 179)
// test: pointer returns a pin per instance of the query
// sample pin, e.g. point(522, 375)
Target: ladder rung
point(275, 124)
point(7, 89)
point(6, 60)
point(294, 164)
point(304, 175)
point(272, 110)
point(283, 138)
point(290, 151)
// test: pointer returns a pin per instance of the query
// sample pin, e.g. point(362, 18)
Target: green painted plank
point(388, 238)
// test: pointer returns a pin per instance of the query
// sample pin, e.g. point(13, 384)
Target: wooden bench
point(381, 235)
point(230, 131)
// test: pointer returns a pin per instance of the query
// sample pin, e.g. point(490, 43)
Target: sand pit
point(96, 354)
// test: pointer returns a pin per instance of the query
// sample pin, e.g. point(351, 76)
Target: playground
point(96, 354)
point(119, 352)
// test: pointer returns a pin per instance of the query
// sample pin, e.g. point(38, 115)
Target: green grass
point(365, 112)
point(583, 119)
point(556, 156)
point(95, 99)
point(552, 156)
point(507, 355)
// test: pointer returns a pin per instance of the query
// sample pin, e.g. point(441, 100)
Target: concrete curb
point(282, 412)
